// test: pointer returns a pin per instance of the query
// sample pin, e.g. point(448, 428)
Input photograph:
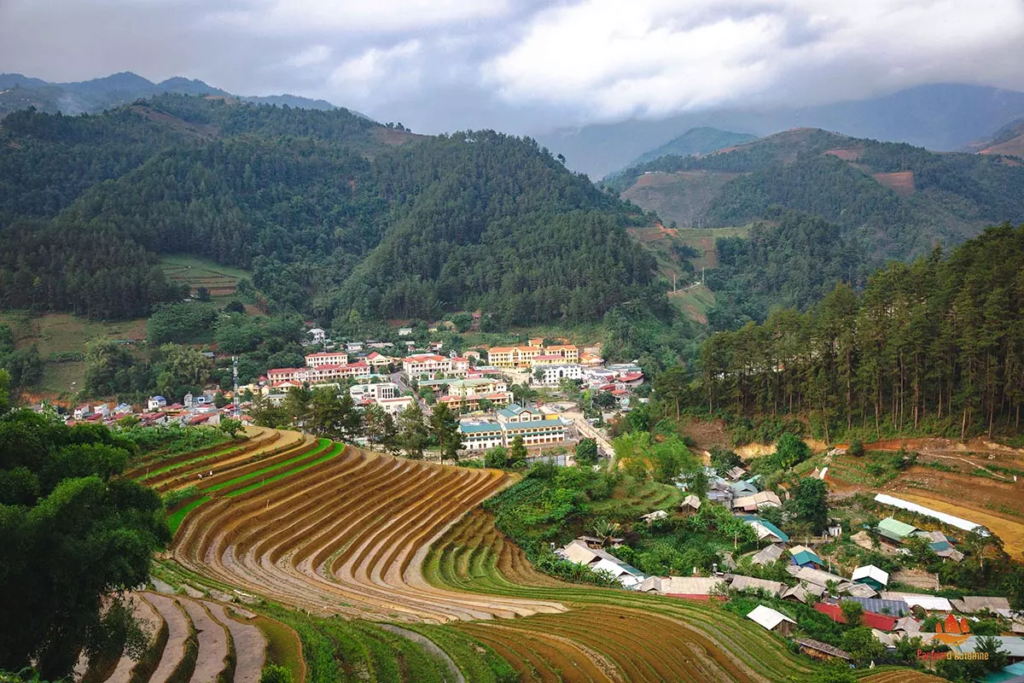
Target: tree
point(586, 453)
point(605, 400)
point(230, 426)
point(203, 294)
point(853, 612)
point(74, 532)
point(496, 457)
point(5, 391)
point(378, 426)
point(517, 453)
point(444, 428)
point(428, 395)
point(856, 448)
point(810, 501)
point(699, 484)
point(412, 432)
point(275, 673)
point(723, 460)
point(234, 306)
point(298, 403)
point(462, 322)
point(862, 645)
point(333, 417)
point(219, 399)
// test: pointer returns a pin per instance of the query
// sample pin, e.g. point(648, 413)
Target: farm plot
point(1010, 531)
point(344, 532)
point(474, 557)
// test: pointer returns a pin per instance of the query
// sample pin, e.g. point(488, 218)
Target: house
point(554, 374)
point(317, 360)
point(404, 331)
point(690, 504)
point(354, 347)
point(894, 531)
point(806, 593)
point(578, 552)
point(156, 403)
point(316, 335)
point(820, 651)
point(768, 555)
point(766, 530)
point(377, 361)
point(817, 577)
point(1013, 645)
point(84, 411)
point(123, 409)
point(972, 604)
point(743, 488)
point(772, 620)
point(652, 517)
point(371, 393)
point(736, 473)
point(872, 576)
point(749, 583)
point(859, 590)
point(394, 406)
point(101, 409)
point(757, 501)
point(805, 557)
point(870, 619)
point(893, 608)
point(690, 587)
point(929, 603)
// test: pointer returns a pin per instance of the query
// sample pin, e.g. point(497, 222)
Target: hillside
point(93, 96)
point(694, 142)
point(941, 117)
point(1008, 140)
point(331, 212)
point(897, 200)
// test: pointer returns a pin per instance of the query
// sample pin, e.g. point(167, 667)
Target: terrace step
point(213, 642)
point(178, 629)
point(150, 621)
point(250, 644)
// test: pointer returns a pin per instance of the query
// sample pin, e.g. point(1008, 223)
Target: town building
point(154, 404)
point(317, 360)
point(426, 364)
point(512, 357)
point(467, 394)
point(536, 429)
point(554, 374)
point(318, 375)
point(371, 393)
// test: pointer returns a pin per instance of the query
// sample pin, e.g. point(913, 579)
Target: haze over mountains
point(93, 96)
point(937, 117)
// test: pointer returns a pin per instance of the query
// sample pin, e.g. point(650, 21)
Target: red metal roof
point(869, 619)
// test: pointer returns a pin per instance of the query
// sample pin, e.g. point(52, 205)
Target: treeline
point(471, 220)
point(936, 345)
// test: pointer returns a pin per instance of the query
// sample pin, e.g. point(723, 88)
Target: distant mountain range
point(89, 97)
point(937, 117)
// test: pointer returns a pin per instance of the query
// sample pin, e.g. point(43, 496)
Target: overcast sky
point(525, 65)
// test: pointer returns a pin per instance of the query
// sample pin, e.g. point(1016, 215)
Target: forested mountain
point(936, 345)
point(703, 140)
point(1008, 140)
point(897, 199)
point(89, 97)
point(329, 214)
point(943, 117)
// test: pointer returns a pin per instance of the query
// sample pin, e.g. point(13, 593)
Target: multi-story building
point(428, 364)
point(466, 394)
point(536, 429)
point(318, 375)
point(568, 352)
point(374, 392)
point(316, 360)
point(554, 374)
point(511, 357)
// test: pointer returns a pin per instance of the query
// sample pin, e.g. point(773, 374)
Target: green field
point(694, 302)
point(222, 281)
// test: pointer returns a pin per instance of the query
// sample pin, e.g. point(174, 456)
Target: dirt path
point(250, 645)
point(177, 632)
point(150, 622)
point(213, 643)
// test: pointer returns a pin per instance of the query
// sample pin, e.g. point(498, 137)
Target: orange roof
point(560, 347)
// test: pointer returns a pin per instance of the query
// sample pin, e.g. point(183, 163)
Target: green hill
point(896, 199)
point(695, 141)
point(331, 212)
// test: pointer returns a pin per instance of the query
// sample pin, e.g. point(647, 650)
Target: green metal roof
point(805, 556)
point(895, 529)
point(769, 526)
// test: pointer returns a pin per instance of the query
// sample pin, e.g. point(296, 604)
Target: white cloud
point(350, 16)
point(311, 56)
point(376, 73)
point(611, 59)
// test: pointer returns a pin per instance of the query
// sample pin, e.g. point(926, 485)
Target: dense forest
point(896, 199)
point(936, 346)
point(329, 214)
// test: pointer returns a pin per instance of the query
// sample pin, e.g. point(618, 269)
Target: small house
point(807, 593)
point(972, 604)
point(768, 555)
point(772, 620)
point(749, 583)
point(820, 651)
point(894, 531)
point(652, 517)
point(736, 473)
point(766, 530)
point(156, 403)
point(757, 501)
point(690, 505)
point(872, 576)
point(805, 557)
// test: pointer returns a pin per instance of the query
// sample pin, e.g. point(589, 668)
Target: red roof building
point(870, 619)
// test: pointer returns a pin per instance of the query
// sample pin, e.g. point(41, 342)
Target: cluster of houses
point(193, 410)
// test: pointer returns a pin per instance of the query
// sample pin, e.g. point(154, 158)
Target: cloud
point(350, 16)
point(311, 56)
point(376, 73)
point(610, 59)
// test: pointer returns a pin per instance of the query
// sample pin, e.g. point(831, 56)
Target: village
point(476, 386)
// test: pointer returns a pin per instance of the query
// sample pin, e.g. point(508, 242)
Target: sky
point(526, 66)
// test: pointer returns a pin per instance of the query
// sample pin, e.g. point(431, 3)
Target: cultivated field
point(222, 281)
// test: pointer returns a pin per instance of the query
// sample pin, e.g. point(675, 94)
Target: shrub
point(274, 673)
point(856, 448)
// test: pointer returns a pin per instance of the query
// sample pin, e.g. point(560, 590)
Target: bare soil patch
point(902, 182)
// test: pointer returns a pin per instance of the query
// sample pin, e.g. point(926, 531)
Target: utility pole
point(237, 398)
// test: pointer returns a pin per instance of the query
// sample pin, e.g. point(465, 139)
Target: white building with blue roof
point(535, 427)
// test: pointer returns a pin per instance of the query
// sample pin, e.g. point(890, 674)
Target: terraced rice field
point(336, 530)
point(193, 640)
point(628, 636)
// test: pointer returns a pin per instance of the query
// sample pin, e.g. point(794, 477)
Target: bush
point(274, 673)
point(856, 448)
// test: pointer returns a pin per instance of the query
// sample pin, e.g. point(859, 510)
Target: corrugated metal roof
point(896, 528)
point(767, 617)
point(741, 583)
point(769, 554)
point(890, 607)
point(871, 572)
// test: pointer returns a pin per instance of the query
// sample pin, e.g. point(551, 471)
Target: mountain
point(1008, 140)
point(93, 96)
point(938, 117)
point(335, 215)
point(897, 199)
point(694, 142)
